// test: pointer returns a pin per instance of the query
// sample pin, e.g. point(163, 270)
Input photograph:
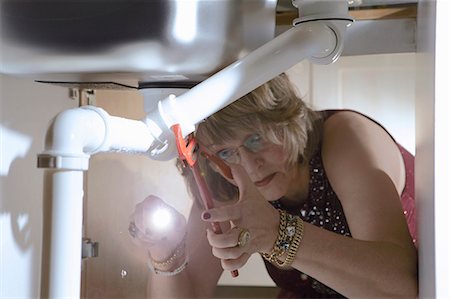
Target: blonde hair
point(273, 110)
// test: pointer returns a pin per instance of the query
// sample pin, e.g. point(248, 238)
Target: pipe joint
point(331, 13)
point(336, 31)
point(163, 147)
point(313, 10)
point(160, 104)
point(73, 135)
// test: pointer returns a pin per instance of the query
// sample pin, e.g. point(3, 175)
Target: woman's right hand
point(157, 226)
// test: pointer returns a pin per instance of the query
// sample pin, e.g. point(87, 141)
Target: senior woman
point(325, 197)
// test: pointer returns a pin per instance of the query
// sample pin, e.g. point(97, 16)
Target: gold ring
point(243, 238)
point(132, 229)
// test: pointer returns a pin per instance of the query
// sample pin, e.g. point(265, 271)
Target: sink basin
point(151, 42)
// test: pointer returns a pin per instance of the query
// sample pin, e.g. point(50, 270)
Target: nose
point(249, 160)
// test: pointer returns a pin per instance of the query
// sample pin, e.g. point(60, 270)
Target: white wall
point(25, 110)
point(381, 86)
point(442, 149)
point(433, 147)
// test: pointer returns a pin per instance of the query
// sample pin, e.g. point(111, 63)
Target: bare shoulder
point(365, 169)
point(353, 142)
point(352, 123)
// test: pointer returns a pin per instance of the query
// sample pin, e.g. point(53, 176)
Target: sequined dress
point(323, 208)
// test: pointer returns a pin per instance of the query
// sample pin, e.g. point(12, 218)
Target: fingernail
point(206, 215)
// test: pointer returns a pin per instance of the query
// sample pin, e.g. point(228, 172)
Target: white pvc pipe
point(80, 132)
point(241, 77)
point(127, 135)
point(63, 214)
point(311, 40)
point(73, 136)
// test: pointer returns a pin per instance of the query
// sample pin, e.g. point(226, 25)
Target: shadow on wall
point(25, 110)
point(18, 147)
point(15, 147)
point(18, 208)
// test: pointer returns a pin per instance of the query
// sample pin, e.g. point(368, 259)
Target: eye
point(225, 154)
point(254, 143)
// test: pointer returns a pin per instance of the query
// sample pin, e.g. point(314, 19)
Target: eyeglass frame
point(247, 144)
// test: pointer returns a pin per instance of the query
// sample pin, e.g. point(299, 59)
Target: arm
point(199, 278)
point(364, 167)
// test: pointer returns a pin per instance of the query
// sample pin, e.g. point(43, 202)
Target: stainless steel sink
point(146, 41)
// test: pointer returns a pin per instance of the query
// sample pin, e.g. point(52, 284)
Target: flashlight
point(161, 219)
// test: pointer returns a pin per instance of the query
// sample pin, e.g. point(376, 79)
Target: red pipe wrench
point(188, 151)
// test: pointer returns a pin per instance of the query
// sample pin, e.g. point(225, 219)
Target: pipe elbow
point(327, 36)
point(76, 132)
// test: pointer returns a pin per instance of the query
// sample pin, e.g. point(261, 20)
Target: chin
point(275, 189)
point(272, 195)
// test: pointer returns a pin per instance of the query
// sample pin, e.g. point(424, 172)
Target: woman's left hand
point(254, 224)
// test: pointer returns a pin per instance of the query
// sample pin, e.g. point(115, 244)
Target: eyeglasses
point(254, 143)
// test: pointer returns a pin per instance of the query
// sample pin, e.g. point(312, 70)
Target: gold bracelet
point(277, 249)
point(290, 235)
point(178, 252)
point(168, 273)
point(293, 246)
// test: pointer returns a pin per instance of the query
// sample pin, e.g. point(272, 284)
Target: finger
point(226, 240)
point(222, 214)
point(241, 177)
point(228, 253)
point(152, 198)
point(140, 238)
point(152, 210)
point(138, 216)
point(140, 211)
point(233, 264)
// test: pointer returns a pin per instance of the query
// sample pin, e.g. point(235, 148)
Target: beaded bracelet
point(167, 273)
point(158, 266)
point(290, 234)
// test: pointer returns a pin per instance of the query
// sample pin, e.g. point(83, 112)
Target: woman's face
point(267, 166)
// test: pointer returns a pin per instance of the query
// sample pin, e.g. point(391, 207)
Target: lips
point(264, 181)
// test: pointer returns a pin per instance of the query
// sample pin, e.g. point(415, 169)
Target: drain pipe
point(76, 134)
point(73, 136)
point(317, 37)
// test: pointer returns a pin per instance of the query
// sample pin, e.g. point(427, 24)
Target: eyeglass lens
point(253, 143)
